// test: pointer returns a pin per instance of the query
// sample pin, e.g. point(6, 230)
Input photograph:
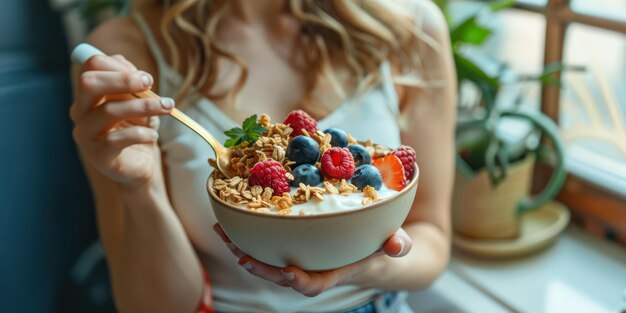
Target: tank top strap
point(154, 48)
point(389, 88)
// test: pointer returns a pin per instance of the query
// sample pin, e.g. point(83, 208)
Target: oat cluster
point(370, 195)
point(376, 150)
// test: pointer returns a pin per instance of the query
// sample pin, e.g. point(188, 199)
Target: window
point(591, 106)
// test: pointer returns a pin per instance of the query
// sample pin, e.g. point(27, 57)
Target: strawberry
point(406, 155)
point(392, 171)
point(337, 163)
point(269, 173)
point(299, 120)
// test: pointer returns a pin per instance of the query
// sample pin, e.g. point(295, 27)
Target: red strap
point(206, 304)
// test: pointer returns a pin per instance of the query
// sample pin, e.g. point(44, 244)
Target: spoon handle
point(188, 121)
point(84, 51)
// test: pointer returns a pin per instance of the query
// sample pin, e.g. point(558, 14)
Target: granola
point(273, 144)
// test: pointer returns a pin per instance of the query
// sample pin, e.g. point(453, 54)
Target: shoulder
point(123, 36)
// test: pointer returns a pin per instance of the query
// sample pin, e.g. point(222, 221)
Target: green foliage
point(250, 132)
point(469, 32)
point(478, 145)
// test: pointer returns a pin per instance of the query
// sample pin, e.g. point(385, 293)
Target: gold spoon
point(84, 51)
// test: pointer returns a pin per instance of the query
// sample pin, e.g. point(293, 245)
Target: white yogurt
point(336, 203)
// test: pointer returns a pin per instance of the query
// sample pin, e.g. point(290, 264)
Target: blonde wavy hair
point(361, 33)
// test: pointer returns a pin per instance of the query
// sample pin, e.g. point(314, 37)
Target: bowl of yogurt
point(338, 231)
point(339, 209)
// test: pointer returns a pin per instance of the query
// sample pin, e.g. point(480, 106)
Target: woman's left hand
point(311, 283)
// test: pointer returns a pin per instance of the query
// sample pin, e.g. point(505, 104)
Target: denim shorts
point(388, 302)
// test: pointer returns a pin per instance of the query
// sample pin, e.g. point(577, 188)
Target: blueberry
point(303, 150)
point(306, 174)
point(360, 155)
point(339, 137)
point(367, 175)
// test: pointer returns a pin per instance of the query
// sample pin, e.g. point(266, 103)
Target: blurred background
point(524, 67)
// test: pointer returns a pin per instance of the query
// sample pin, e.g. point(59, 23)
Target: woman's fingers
point(124, 137)
point(251, 265)
point(98, 83)
point(94, 85)
point(130, 66)
point(398, 245)
point(262, 270)
point(91, 81)
point(313, 283)
point(309, 284)
point(104, 63)
point(220, 232)
point(101, 119)
point(231, 246)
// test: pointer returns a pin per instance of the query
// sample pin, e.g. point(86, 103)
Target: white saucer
point(539, 228)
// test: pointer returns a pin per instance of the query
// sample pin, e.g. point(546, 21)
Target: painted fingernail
point(146, 80)
point(231, 246)
point(289, 275)
point(167, 103)
point(402, 245)
point(248, 266)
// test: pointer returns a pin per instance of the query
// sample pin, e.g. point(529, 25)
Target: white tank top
point(370, 116)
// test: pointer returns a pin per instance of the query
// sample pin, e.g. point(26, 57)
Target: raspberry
point(337, 163)
point(299, 120)
point(406, 155)
point(271, 174)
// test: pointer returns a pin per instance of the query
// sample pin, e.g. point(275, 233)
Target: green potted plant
point(494, 174)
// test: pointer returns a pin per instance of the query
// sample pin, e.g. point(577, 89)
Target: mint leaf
point(232, 142)
point(250, 132)
point(249, 123)
point(256, 131)
point(234, 132)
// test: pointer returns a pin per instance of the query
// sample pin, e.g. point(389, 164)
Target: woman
point(226, 60)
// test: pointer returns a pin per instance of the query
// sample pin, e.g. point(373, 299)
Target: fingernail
point(248, 266)
point(231, 246)
point(402, 244)
point(146, 80)
point(167, 103)
point(288, 275)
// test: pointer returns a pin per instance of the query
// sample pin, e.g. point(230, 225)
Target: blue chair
point(46, 209)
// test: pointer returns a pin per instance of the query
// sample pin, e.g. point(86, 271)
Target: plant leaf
point(470, 32)
point(256, 131)
point(501, 5)
point(250, 132)
point(249, 123)
point(232, 142)
point(234, 132)
point(442, 4)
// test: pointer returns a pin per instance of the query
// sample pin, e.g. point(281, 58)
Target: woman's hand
point(313, 283)
point(116, 132)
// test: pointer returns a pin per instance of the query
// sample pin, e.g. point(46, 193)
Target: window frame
point(597, 209)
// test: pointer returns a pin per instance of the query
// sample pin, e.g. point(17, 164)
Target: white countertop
point(578, 273)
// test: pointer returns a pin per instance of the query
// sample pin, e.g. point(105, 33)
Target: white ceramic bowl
point(314, 242)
